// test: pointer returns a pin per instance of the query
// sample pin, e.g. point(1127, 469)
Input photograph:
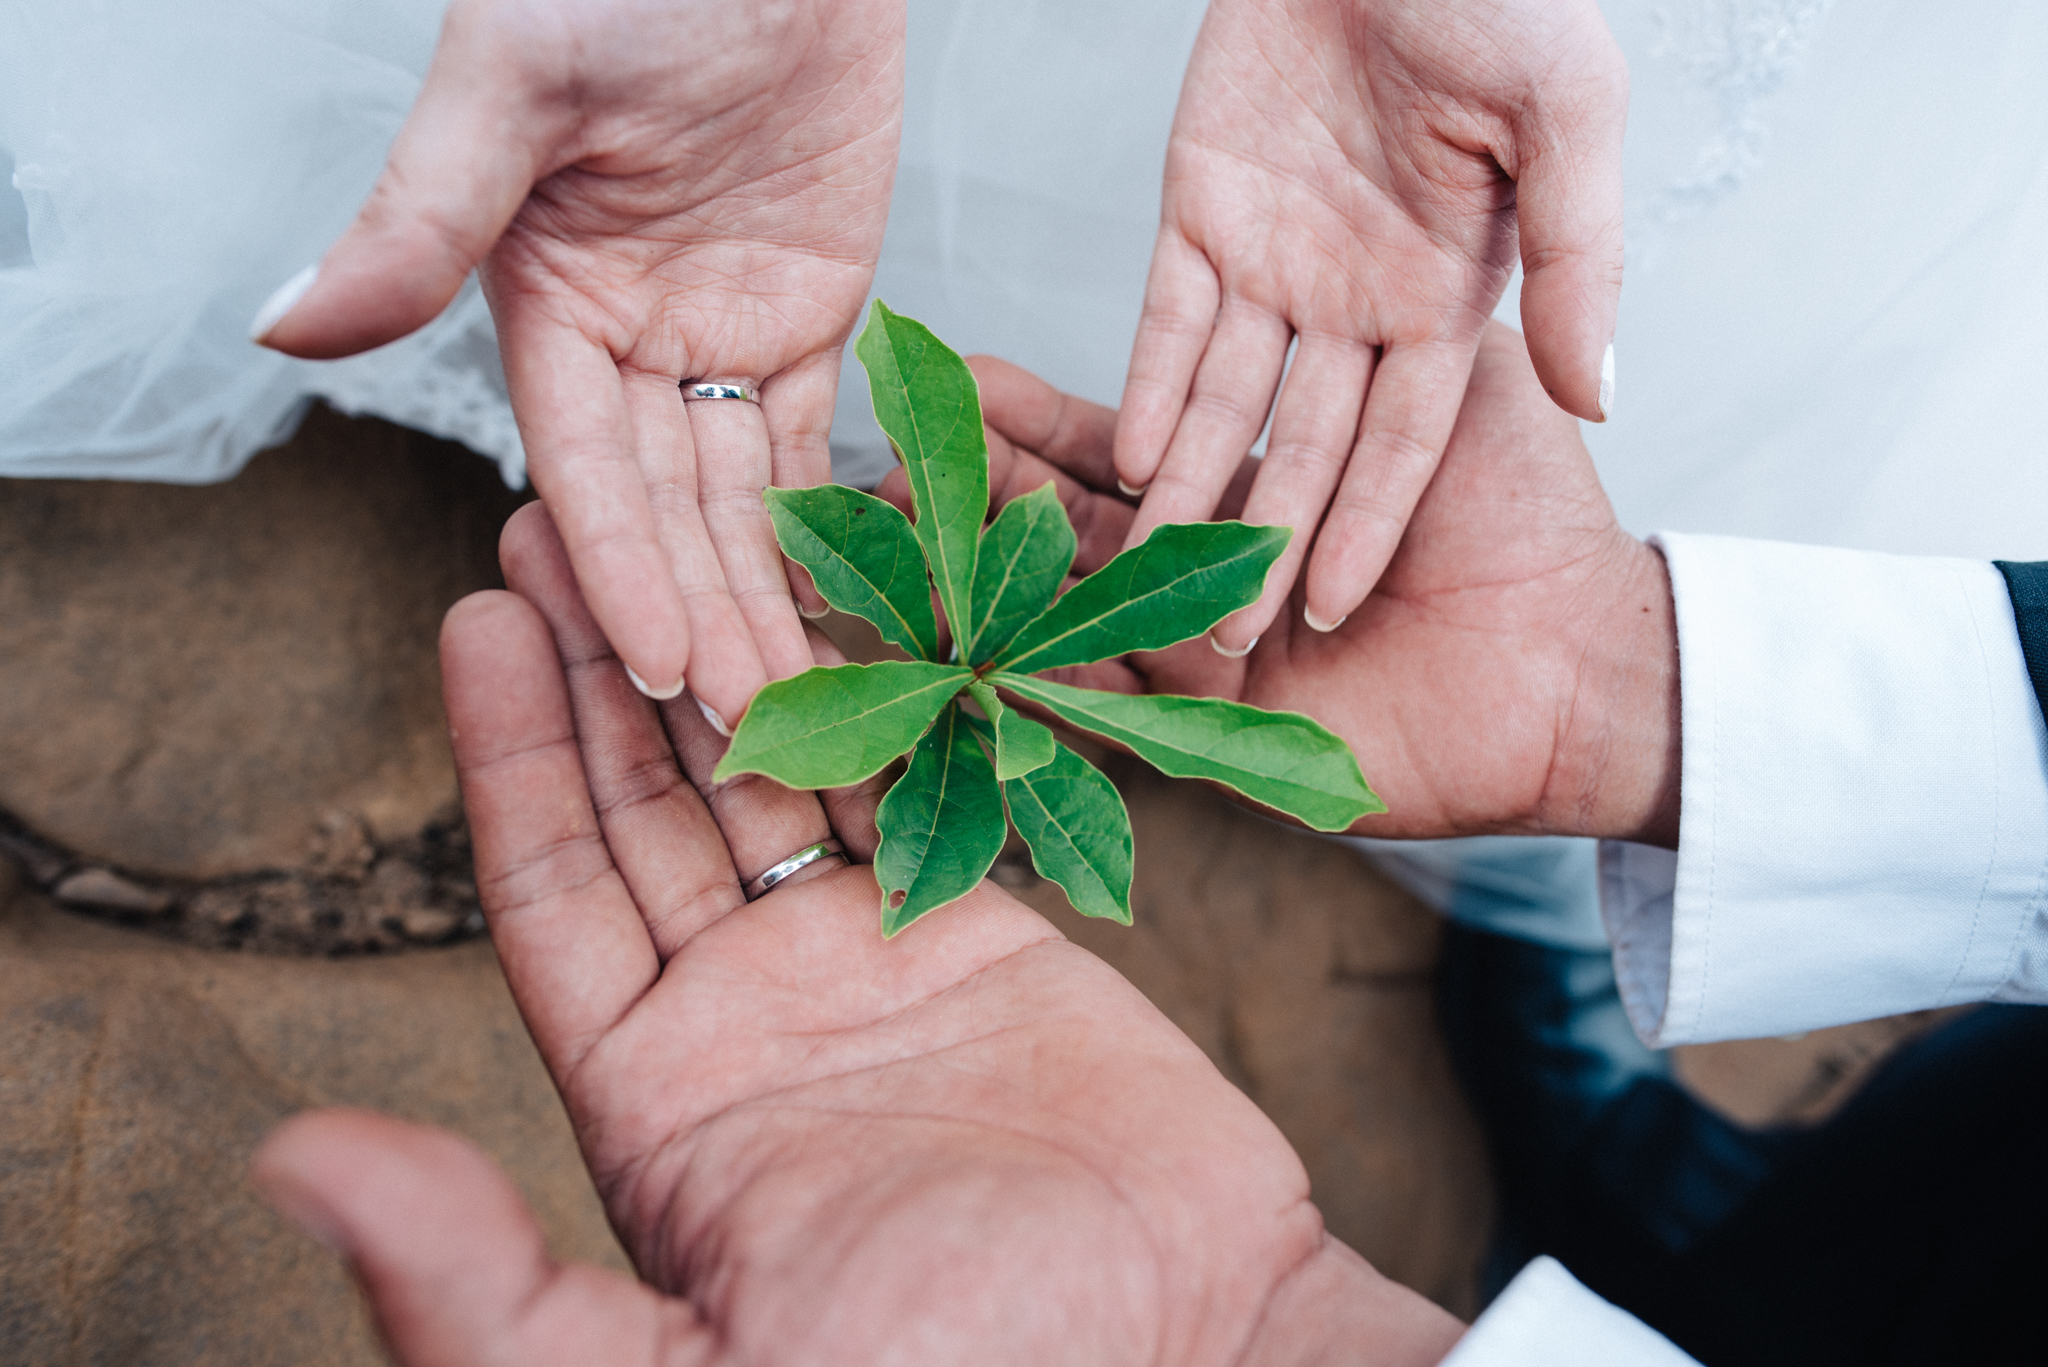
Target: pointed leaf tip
point(863, 557)
point(1282, 760)
point(927, 401)
point(1183, 579)
point(1079, 832)
point(1025, 553)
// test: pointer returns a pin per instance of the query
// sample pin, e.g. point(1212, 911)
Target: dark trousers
point(1912, 1227)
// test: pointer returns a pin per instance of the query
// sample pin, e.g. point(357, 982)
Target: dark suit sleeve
point(2027, 582)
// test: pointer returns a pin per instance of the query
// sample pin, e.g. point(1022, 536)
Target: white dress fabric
point(1831, 310)
point(163, 168)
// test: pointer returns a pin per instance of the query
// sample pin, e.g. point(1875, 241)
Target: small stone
point(109, 891)
point(430, 925)
point(343, 847)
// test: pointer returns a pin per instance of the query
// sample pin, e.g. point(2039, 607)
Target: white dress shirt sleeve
point(1863, 820)
point(1546, 1319)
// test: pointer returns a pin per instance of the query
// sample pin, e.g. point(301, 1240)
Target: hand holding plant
point(942, 825)
point(1515, 669)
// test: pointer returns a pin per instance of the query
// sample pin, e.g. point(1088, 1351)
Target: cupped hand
point(1354, 178)
point(1514, 670)
point(973, 1143)
point(657, 190)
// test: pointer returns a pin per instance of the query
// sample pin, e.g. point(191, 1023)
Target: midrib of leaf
point(1106, 614)
point(923, 476)
point(881, 594)
point(952, 684)
point(952, 720)
point(1024, 684)
point(1072, 843)
point(1009, 573)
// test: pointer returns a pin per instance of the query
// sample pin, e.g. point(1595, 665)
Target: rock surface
point(137, 1075)
point(199, 683)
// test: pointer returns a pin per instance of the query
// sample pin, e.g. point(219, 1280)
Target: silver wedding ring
point(697, 389)
point(803, 858)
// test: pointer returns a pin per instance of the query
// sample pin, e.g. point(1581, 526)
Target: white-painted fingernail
point(658, 694)
point(283, 301)
point(1228, 653)
point(1308, 615)
point(805, 612)
point(717, 722)
point(1129, 492)
point(1607, 383)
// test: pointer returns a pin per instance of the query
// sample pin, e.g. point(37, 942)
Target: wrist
point(1617, 766)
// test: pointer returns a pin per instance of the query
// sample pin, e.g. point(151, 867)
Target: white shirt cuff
point(1545, 1317)
point(1863, 820)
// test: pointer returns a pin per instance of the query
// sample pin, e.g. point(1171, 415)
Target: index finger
point(575, 951)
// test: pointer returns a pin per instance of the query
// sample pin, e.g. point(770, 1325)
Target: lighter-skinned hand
point(1514, 670)
point(972, 1144)
point(656, 190)
point(1359, 180)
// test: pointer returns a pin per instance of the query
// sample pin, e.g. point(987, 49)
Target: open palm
point(1512, 671)
point(973, 1143)
point(657, 190)
point(1354, 178)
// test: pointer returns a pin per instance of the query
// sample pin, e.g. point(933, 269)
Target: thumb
point(478, 137)
point(1569, 205)
point(449, 1255)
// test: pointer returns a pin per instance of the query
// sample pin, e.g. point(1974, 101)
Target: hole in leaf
point(897, 899)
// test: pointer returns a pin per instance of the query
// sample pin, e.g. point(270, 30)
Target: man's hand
point(657, 190)
point(1514, 670)
point(974, 1143)
point(1354, 177)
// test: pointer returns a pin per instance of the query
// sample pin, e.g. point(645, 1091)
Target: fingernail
point(1129, 492)
point(1228, 653)
point(806, 613)
point(658, 694)
point(1607, 383)
point(1308, 615)
point(283, 301)
point(717, 722)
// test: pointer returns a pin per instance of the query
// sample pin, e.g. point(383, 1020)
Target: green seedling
point(973, 756)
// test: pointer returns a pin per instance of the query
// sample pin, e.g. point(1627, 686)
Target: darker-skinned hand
point(972, 1144)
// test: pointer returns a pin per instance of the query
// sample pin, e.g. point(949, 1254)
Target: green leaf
point(926, 400)
point(1281, 759)
point(1079, 832)
point(826, 728)
point(1024, 555)
point(1021, 743)
point(942, 824)
point(863, 557)
point(1184, 579)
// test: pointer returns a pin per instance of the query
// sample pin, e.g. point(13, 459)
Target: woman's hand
point(974, 1143)
point(657, 190)
point(1354, 177)
point(1515, 668)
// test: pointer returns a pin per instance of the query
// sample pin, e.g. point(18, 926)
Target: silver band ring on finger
point(698, 389)
point(802, 859)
